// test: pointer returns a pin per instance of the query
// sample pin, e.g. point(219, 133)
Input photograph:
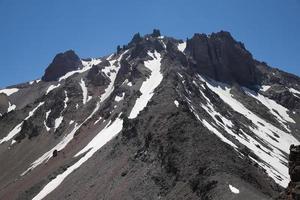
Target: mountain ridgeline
point(161, 118)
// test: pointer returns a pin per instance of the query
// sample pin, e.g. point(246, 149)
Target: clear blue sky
point(33, 31)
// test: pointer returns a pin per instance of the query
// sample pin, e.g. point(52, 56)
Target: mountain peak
point(62, 64)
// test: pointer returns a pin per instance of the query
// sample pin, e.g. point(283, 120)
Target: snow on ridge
point(18, 128)
point(34, 81)
point(233, 189)
point(84, 91)
point(52, 87)
point(87, 65)
point(148, 86)
point(104, 136)
point(181, 46)
point(9, 91)
point(274, 161)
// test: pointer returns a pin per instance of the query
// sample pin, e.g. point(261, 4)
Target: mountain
point(161, 118)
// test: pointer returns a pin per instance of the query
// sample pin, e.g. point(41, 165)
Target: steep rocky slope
point(159, 119)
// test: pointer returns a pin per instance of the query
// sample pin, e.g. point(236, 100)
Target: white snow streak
point(148, 86)
point(52, 87)
point(295, 92)
point(87, 65)
point(282, 112)
point(47, 115)
point(18, 128)
point(9, 91)
point(97, 142)
point(84, 91)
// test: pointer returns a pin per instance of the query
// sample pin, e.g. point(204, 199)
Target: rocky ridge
point(159, 119)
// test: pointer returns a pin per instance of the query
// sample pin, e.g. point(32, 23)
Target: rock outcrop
point(293, 190)
point(62, 64)
point(222, 58)
point(3, 103)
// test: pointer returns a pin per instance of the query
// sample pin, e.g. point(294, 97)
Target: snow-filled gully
point(148, 86)
point(272, 159)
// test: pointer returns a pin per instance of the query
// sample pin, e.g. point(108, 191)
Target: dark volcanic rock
point(222, 58)
point(3, 103)
point(293, 190)
point(62, 64)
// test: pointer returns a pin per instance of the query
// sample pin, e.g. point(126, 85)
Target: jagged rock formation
point(61, 64)
point(292, 192)
point(161, 118)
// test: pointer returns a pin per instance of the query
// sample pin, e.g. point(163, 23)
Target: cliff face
point(294, 171)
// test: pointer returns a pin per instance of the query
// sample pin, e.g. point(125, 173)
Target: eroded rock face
point(294, 171)
point(293, 190)
point(62, 64)
point(222, 58)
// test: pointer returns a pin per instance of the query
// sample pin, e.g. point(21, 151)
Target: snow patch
point(148, 86)
point(52, 87)
point(181, 46)
point(176, 103)
point(11, 107)
point(9, 91)
point(120, 98)
point(58, 122)
point(234, 189)
point(87, 65)
point(264, 88)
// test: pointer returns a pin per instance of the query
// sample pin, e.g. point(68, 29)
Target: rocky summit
point(160, 118)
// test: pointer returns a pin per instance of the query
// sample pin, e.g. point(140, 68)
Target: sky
point(32, 32)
